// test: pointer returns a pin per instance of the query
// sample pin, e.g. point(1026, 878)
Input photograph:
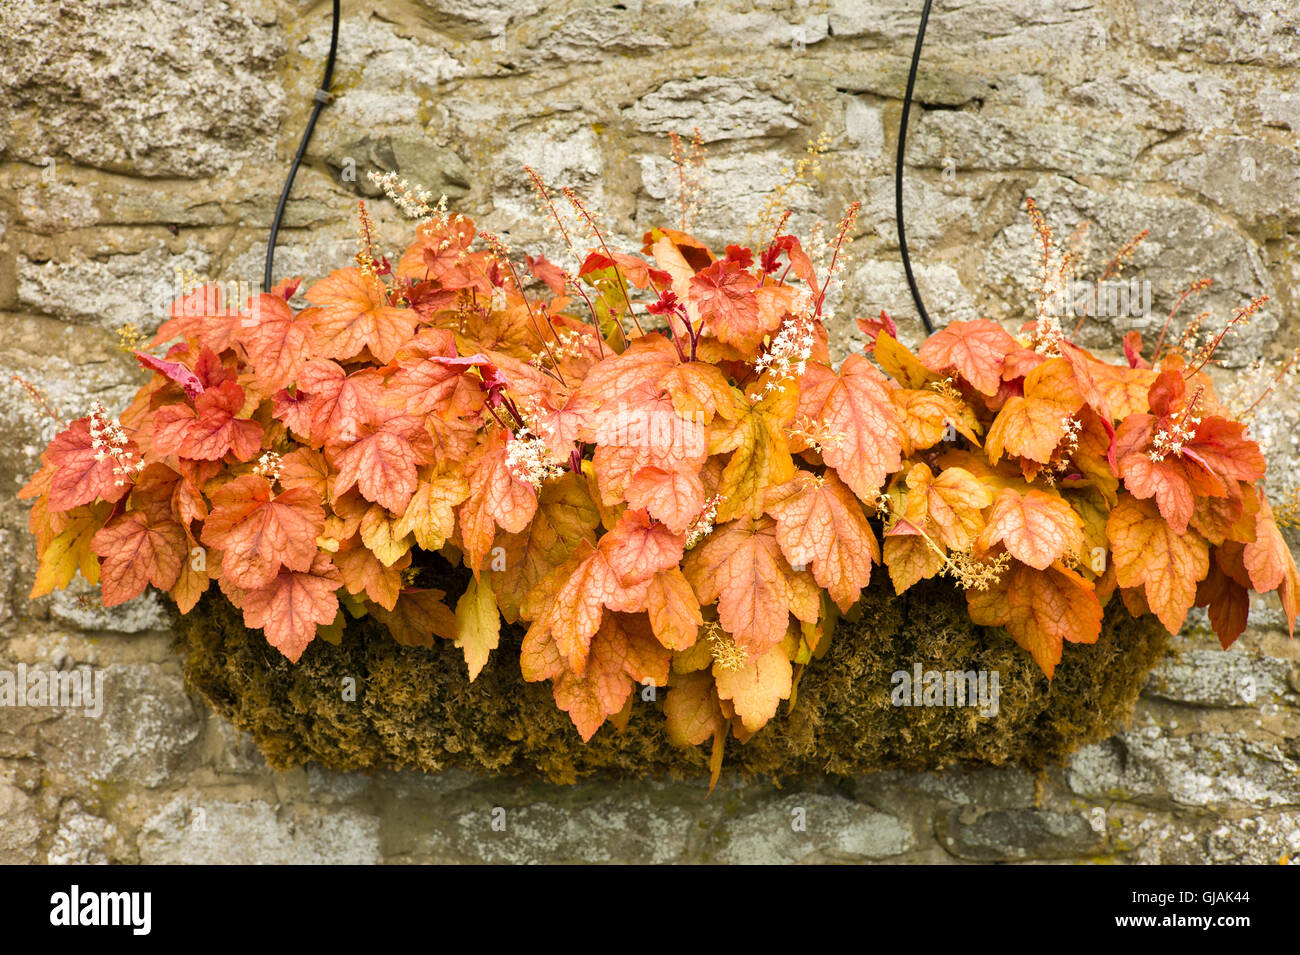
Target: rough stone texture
point(138, 139)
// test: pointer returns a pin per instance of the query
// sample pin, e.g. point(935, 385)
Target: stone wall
point(142, 137)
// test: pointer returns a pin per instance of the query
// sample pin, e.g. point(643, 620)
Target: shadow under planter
point(415, 708)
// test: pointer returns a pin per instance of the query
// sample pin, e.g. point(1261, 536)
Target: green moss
point(414, 708)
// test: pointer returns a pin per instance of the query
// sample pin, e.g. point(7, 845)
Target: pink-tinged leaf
point(674, 497)
point(174, 370)
point(384, 467)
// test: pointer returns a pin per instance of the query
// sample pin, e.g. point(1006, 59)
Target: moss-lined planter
point(415, 708)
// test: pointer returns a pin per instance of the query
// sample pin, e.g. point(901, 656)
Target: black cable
point(898, 173)
point(322, 98)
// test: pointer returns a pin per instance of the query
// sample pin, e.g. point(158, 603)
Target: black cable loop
point(898, 173)
point(321, 98)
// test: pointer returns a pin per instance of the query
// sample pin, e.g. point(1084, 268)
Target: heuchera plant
point(652, 465)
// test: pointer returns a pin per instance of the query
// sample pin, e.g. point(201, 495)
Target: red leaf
point(724, 294)
point(80, 475)
point(548, 272)
point(210, 429)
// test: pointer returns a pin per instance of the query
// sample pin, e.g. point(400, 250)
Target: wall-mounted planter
point(414, 709)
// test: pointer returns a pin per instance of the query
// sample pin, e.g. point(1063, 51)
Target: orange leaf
point(647, 433)
point(293, 604)
point(819, 523)
point(1037, 528)
point(860, 430)
point(1032, 425)
point(1228, 602)
point(928, 416)
point(1267, 557)
point(204, 316)
point(691, 709)
point(257, 532)
point(900, 364)
point(741, 568)
point(565, 516)
point(431, 512)
point(620, 654)
point(383, 465)
point(417, 618)
point(139, 548)
point(496, 499)
point(570, 604)
point(674, 611)
point(674, 497)
point(756, 688)
point(80, 476)
point(210, 429)
point(338, 404)
point(639, 547)
point(976, 350)
point(627, 378)
point(355, 314)
point(361, 571)
point(278, 344)
point(1148, 553)
point(1040, 609)
point(910, 557)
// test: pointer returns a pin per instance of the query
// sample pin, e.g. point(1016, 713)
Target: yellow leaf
point(70, 551)
point(379, 533)
point(900, 364)
point(478, 625)
point(757, 688)
point(762, 455)
point(431, 515)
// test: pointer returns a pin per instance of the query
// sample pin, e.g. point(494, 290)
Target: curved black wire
point(898, 173)
point(322, 98)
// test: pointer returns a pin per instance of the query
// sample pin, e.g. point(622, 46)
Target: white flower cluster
point(787, 356)
point(411, 199)
point(109, 441)
point(530, 461)
point(702, 526)
point(1181, 431)
point(268, 466)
